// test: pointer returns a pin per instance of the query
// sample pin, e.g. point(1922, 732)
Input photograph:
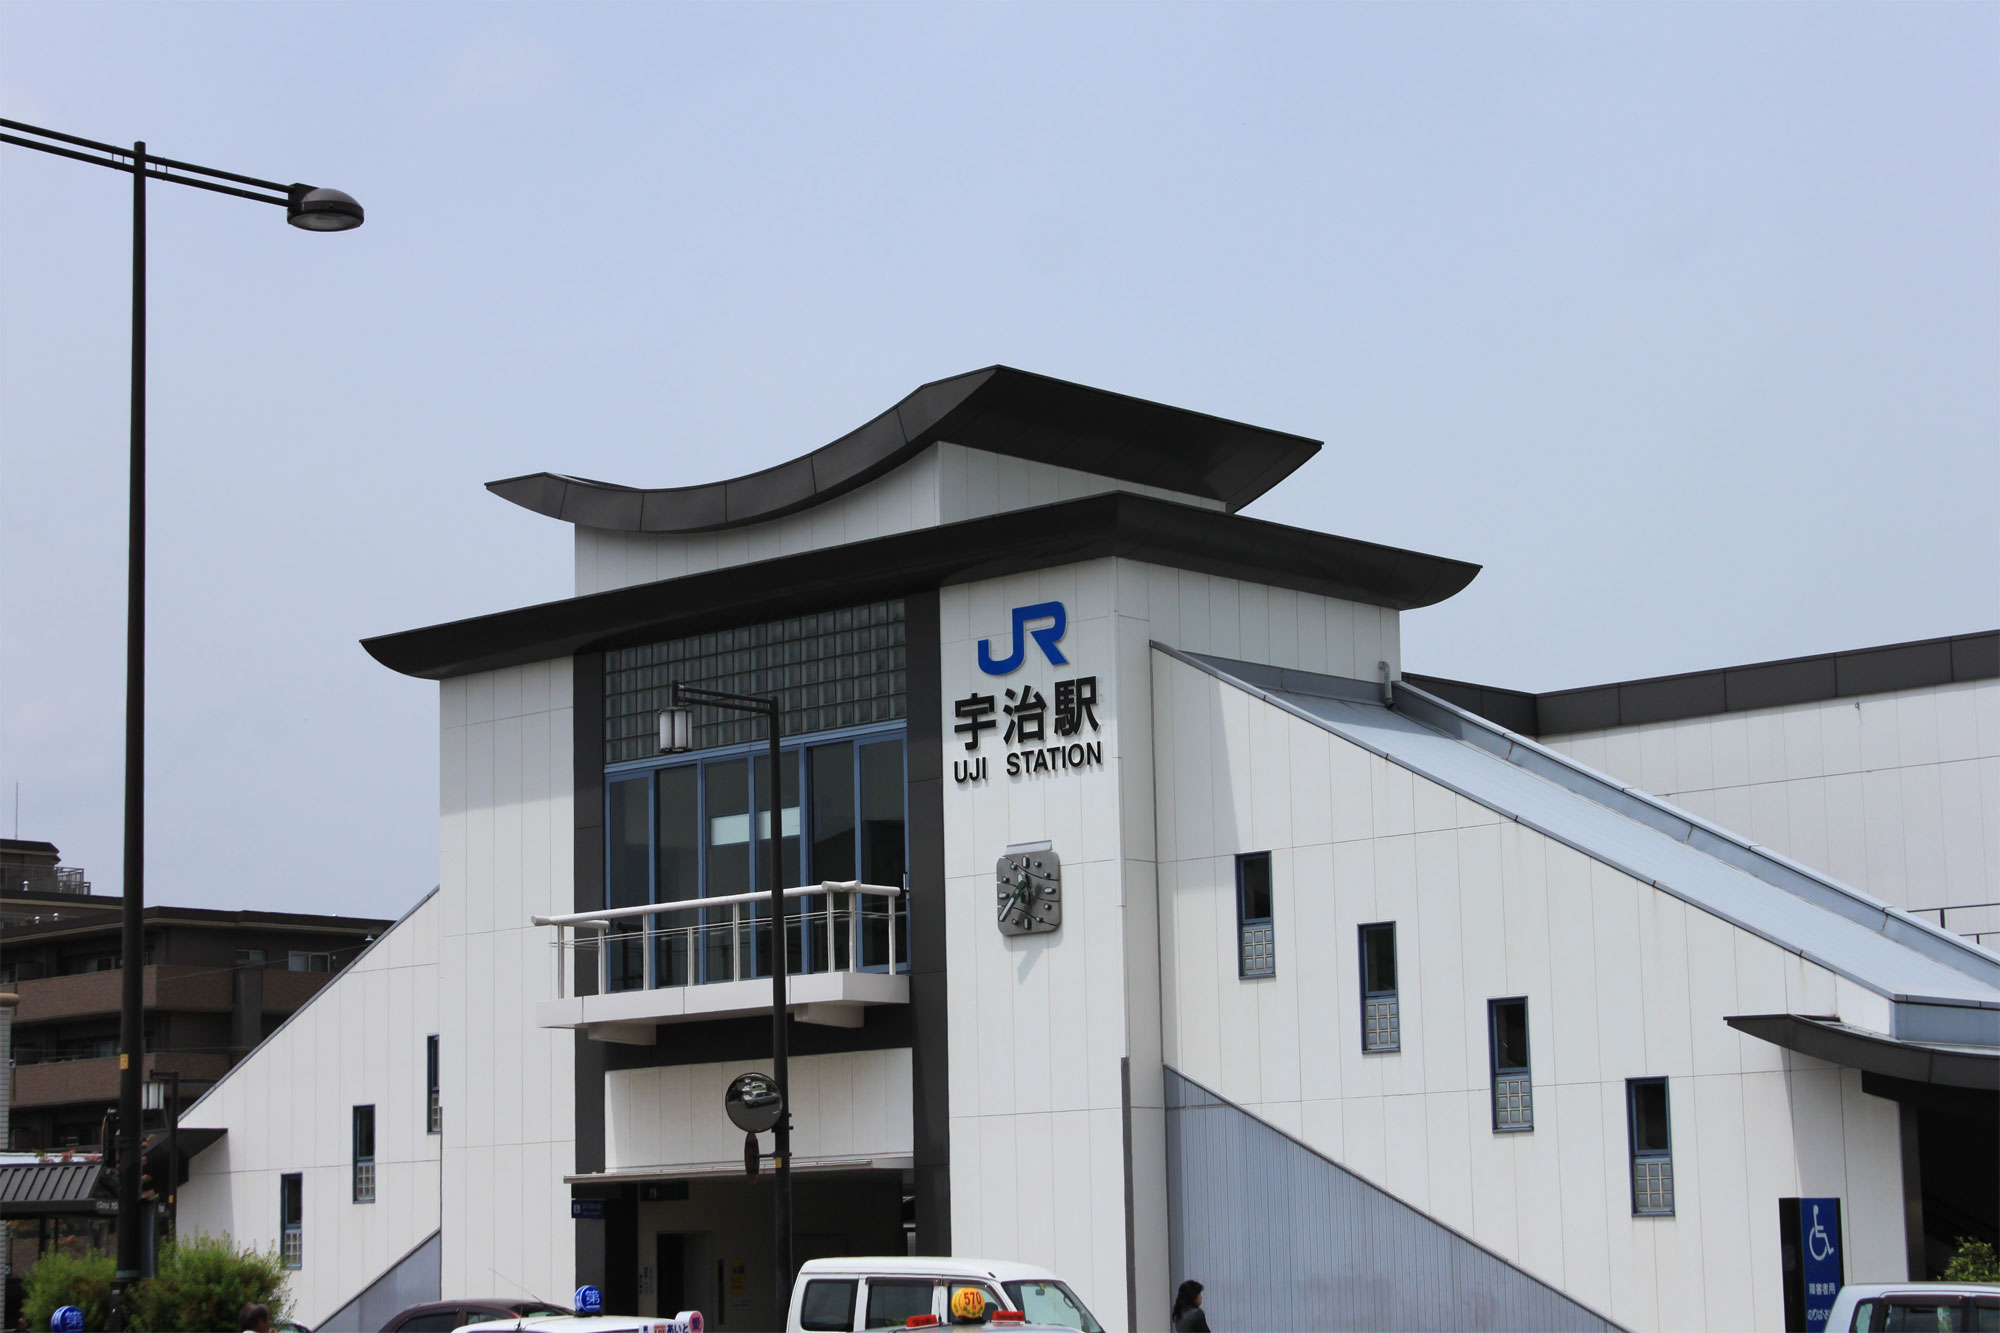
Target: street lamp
point(677, 737)
point(311, 210)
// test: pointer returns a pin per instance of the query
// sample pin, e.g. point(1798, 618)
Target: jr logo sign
point(1045, 638)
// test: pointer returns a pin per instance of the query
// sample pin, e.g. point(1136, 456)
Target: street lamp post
point(311, 210)
point(677, 736)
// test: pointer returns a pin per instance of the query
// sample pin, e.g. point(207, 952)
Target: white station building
point(1218, 946)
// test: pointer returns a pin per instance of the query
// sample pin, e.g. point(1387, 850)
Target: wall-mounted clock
point(1028, 889)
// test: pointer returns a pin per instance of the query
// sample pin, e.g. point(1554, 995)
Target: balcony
point(64, 1082)
point(637, 968)
point(172, 986)
point(183, 988)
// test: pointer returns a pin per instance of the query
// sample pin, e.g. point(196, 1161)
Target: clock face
point(1027, 890)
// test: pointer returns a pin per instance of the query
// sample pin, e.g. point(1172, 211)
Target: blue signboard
point(1819, 1258)
point(589, 1300)
point(587, 1209)
point(68, 1319)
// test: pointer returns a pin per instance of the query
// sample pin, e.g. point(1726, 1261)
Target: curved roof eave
point(999, 409)
point(1135, 527)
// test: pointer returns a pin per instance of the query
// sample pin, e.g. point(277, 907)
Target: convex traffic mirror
point(753, 1103)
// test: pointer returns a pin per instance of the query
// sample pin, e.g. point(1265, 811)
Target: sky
point(1683, 321)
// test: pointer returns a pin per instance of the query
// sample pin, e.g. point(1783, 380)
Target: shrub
point(59, 1279)
point(1972, 1261)
point(201, 1282)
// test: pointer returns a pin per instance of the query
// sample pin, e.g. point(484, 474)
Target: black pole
point(781, 1146)
point(132, 1016)
point(173, 1154)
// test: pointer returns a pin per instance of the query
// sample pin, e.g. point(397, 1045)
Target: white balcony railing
point(709, 957)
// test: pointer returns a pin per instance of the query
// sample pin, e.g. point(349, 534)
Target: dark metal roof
point(1795, 680)
point(94, 918)
point(999, 409)
point(1114, 524)
point(1872, 1053)
point(49, 1189)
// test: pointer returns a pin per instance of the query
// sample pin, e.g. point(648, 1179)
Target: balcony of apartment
point(59, 1081)
point(623, 972)
point(186, 988)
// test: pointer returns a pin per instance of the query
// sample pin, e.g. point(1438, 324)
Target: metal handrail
point(599, 923)
point(1978, 937)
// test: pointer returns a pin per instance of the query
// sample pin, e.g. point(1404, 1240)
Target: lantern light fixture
point(676, 730)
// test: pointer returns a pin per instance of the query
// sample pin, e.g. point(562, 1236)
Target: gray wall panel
point(413, 1280)
point(1284, 1238)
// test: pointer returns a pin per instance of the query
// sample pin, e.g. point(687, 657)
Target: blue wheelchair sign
point(589, 1300)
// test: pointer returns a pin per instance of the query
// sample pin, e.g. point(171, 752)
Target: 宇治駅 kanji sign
point(1041, 730)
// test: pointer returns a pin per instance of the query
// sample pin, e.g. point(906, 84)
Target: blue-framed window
point(1507, 1049)
point(292, 1220)
point(364, 1154)
point(1381, 1010)
point(1652, 1147)
point(1256, 945)
point(698, 828)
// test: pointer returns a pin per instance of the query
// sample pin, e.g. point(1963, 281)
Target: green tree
point(1972, 1261)
point(201, 1282)
point(59, 1279)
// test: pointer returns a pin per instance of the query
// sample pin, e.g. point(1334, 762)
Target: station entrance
point(706, 1243)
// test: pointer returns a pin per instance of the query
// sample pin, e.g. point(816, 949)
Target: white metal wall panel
point(1896, 794)
point(946, 483)
point(1622, 980)
point(287, 1108)
point(505, 833)
point(1047, 1030)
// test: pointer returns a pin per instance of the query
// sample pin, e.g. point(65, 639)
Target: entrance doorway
point(706, 1244)
point(670, 1273)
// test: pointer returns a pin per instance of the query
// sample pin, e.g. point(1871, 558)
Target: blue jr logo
point(1046, 638)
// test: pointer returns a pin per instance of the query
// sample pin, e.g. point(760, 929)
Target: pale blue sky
point(1683, 320)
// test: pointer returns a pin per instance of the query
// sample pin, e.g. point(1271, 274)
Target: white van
point(850, 1295)
point(1936, 1307)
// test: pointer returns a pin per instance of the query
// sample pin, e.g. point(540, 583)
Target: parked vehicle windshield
point(1052, 1303)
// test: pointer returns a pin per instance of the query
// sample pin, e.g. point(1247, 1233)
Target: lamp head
point(676, 730)
point(322, 210)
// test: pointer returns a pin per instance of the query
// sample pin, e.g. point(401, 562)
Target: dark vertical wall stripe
point(1283, 1237)
point(929, 1048)
point(587, 722)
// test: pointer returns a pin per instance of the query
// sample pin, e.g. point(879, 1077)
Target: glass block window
point(1652, 1147)
point(1381, 1013)
point(1256, 951)
point(434, 1105)
point(1507, 1045)
point(831, 669)
point(364, 1154)
point(291, 1221)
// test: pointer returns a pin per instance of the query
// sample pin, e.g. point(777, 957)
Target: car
point(687, 1321)
point(886, 1291)
point(1934, 1307)
point(443, 1316)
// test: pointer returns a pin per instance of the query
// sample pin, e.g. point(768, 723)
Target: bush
point(201, 1282)
point(59, 1279)
point(1973, 1261)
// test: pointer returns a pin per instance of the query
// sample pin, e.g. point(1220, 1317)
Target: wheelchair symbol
point(1818, 1244)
